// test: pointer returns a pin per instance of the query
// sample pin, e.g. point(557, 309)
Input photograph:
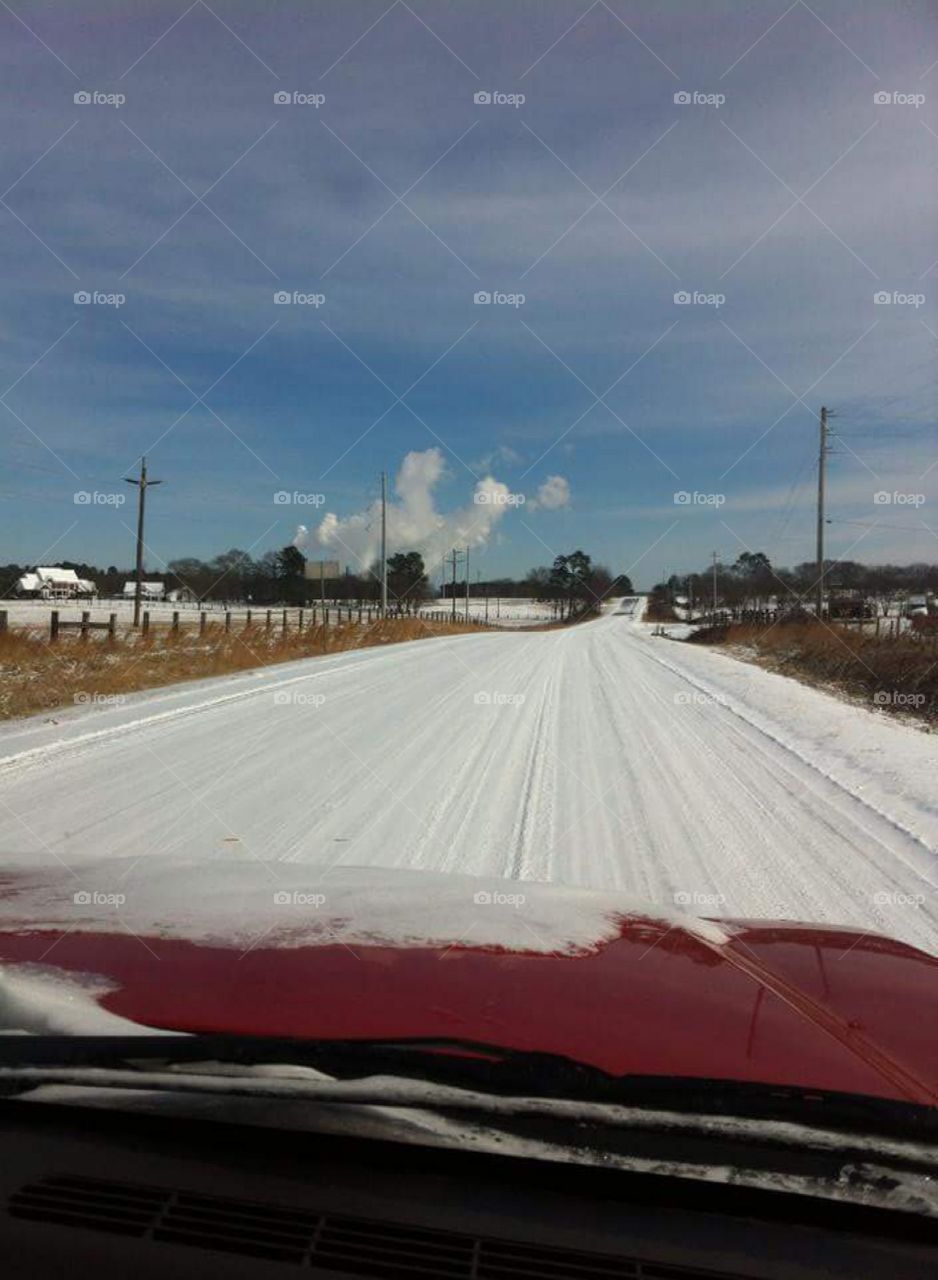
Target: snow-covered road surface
point(600, 756)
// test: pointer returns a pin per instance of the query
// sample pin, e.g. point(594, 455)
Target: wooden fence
point(269, 620)
point(923, 628)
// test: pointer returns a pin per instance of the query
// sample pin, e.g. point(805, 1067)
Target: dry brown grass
point(899, 675)
point(659, 610)
point(38, 676)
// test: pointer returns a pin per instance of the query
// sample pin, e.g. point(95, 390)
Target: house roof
point(60, 577)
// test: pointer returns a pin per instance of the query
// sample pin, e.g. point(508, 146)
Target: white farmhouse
point(49, 583)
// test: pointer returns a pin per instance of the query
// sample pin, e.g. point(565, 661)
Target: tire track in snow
point(731, 705)
point(598, 779)
point(855, 866)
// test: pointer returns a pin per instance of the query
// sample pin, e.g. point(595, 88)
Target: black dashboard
point(105, 1192)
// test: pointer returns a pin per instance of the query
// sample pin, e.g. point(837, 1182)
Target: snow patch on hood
point(247, 904)
point(41, 1000)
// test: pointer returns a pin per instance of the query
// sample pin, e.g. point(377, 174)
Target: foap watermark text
point(694, 98)
point(494, 699)
point(95, 298)
point(683, 298)
point(684, 498)
point(288, 498)
point(298, 98)
point(487, 298)
point(493, 98)
point(296, 298)
point(298, 698)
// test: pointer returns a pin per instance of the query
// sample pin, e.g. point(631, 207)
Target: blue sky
point(398, 198)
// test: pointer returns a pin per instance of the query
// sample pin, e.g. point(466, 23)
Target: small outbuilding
point(148, 590)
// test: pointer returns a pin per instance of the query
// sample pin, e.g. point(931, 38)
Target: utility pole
point(384, 544)
point(467, 584)
point(141, 505)
point(453, 587)
point(714, 586)
point(821, 485)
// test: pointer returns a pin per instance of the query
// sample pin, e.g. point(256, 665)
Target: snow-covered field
point(35, 613)
point(505, 612)
point(598, 755)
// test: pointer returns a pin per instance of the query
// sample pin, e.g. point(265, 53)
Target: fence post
point(85, 619)
point(112, 626)
point(203, 619)
point(284, 621)
point(175, 620)
point(3, 620)
point(146, 621)
point(299, 620)
point(247, 620)
point(269, 616)
point(227, 619)
point(54, 625)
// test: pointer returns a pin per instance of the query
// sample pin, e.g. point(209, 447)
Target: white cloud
point(502, 453)
point(552, 495)
point(413, 522)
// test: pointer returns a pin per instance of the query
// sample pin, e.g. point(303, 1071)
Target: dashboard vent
point(359, 1247)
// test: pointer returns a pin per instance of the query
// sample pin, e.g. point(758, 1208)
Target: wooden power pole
point(821, 485)
point(384, 544)
point(142, 484)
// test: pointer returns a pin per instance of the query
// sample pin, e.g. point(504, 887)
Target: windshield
point(469, 608)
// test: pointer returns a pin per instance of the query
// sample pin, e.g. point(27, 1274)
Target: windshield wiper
point(462, 1064)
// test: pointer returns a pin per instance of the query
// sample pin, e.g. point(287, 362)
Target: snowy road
point(599, 756)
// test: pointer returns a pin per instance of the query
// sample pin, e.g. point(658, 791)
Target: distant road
point(598, 755)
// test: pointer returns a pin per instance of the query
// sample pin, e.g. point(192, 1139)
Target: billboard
point(316, 569)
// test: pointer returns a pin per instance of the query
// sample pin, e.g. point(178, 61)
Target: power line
point(877, 524)
point(788, 508)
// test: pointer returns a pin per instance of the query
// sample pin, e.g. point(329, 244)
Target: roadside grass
point(898, 675)
point(36, 675)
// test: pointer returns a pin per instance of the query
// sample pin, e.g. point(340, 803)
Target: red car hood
point(585, 974)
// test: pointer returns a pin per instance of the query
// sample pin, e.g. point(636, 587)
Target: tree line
point(572, 583)
point(753, 581)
